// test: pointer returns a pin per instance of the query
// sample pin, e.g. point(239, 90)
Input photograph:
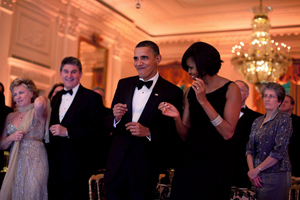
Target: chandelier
point(138, 5)
point(266, 60)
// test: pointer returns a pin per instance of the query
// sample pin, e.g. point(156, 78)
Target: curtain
point(293, 75)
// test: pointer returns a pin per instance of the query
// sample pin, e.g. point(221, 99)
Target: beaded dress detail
point(32, 169)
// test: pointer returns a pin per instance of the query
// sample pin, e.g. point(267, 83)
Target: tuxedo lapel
point(129, 96)
point(55, 108)
point(153, 101)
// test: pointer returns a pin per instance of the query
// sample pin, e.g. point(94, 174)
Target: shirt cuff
point(116, 123)
point(149, 137)
point(67, 134)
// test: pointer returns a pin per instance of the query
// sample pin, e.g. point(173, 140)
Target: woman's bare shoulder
point(10, 116)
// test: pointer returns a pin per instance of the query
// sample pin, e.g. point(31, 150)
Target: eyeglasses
point(243, 90)
point(270, 96)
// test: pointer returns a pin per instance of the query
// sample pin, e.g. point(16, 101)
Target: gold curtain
point(292, 75)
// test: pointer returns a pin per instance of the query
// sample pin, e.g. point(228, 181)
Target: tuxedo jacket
point(73, 157)
point(240, 138)
point(294, 150)
point(146, 156)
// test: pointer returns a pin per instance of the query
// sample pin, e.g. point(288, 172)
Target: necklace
point(21, 117)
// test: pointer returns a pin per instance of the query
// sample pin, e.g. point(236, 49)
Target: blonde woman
point(24, 131)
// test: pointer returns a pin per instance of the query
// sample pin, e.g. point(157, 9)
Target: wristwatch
point(259, 169)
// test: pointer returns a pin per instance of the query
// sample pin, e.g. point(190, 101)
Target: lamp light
point(266, 60)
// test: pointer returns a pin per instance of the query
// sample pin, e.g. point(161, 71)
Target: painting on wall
point(94, 60)
point(174, 73)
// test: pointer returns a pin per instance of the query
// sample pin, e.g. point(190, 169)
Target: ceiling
point(176, 17)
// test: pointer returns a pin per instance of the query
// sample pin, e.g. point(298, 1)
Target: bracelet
point(259, 169)
point(217, 121)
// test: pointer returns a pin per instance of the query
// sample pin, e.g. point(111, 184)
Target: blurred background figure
point(267, 149)
point(105, 138)
point(101, 91)
point(1, 88)
point(241, 137)
point(55, 89)
point(4, 111)
point(294, 150)
point(24, 131)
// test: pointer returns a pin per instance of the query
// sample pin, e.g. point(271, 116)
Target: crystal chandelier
point(266, 60)
point(138, 5)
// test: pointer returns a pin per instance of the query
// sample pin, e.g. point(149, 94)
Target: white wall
point(36, 35)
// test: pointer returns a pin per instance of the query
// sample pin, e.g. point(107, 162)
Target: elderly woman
point(24, 131)
point(211, 111)
point(267, 148)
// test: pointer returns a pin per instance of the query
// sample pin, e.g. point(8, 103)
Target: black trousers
point(123, 186)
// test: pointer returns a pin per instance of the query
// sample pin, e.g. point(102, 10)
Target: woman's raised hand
point(17, 136)
point(168, 109)
point(199, 87)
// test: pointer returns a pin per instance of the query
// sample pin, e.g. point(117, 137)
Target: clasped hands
point(135, 128)
point(255, 178)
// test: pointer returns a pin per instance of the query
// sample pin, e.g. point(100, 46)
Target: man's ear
point(158, 59)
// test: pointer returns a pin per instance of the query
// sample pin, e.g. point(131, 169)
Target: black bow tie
point(243, 110)
point(68, 91)
point(140, 84)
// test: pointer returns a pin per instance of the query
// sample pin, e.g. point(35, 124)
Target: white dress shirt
point(66, 101)
point(241, 113)
point(140, 98)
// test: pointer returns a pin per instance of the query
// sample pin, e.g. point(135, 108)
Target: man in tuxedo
point(241, 137)
point(143, 138)
point(76, 120)
point(294, 150)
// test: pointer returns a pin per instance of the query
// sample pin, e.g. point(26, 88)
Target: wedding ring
point(53, 131)
point(197, 88)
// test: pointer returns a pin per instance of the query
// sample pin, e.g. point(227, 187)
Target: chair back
point(294, 192)
point(99, 185)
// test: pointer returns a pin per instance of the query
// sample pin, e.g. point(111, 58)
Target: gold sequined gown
point(32, 169)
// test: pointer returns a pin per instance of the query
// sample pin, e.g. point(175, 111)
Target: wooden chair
point(99, 185)
point(294, 192)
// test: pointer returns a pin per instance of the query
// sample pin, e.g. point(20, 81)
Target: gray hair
point(278, 89)
point(246, 85)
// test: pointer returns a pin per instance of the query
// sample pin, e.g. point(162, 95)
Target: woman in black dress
point(211, 111)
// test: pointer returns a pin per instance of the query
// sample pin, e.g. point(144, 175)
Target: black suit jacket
point(294, 150)
point(72, 159)
point(147, 156)
point(240, 139)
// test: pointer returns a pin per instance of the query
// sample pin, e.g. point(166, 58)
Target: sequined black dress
point(32, 169)
point(206, 170)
